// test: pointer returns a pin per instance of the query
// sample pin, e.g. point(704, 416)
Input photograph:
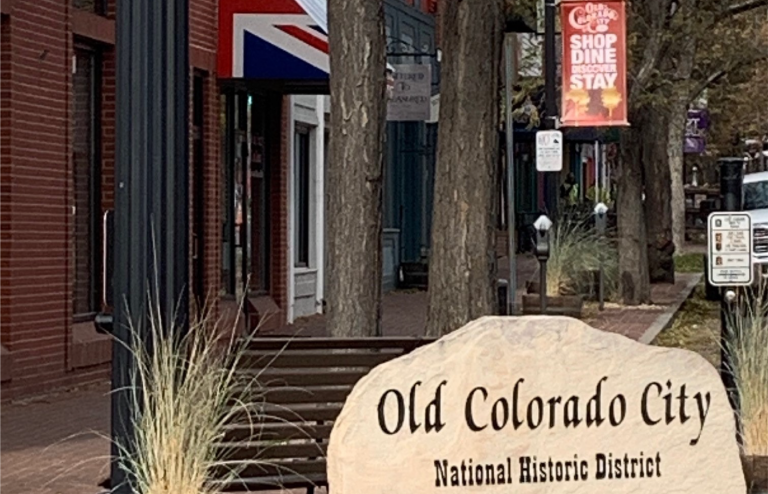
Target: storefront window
point(301, 176)
point(246, 219)
point(86, 208)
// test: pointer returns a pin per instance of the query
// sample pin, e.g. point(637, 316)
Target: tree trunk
point(676, 168)
point(633, 252)
point(462, 268)
point(658, 198)
point(678, 117)
point(354, 168)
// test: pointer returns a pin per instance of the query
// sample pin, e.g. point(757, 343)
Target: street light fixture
point(542, 226)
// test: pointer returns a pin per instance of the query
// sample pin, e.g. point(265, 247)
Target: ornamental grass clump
point(575, 254)
point(747, 345)
point(185, 391)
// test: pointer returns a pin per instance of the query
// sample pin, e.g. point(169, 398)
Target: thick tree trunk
point(658, 199)
point(633, 251)
point(462, 268)
point(676, 168)
point(354, 168)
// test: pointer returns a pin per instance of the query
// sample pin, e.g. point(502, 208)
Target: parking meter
point(601, 210)
point(542, 226)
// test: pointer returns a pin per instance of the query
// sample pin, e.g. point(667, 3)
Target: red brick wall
point(5, 180)
point(212, 212)
point(203, 37)
point(108, 128)
point(212, 217)
point(38, 286)
point(279, 123)
point(36, 189)
point(203, 26)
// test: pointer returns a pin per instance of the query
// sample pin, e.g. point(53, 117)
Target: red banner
point(594, 63)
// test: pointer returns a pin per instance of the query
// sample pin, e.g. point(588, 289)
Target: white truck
point(755, 201)
point(755, 192)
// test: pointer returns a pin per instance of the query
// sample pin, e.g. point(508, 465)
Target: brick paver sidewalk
point(645, 322)
point(56, 445)
point(49, 446)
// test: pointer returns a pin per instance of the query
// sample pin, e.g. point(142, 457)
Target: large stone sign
point(534, 405)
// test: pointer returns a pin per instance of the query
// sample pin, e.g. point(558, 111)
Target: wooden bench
point(305, 383)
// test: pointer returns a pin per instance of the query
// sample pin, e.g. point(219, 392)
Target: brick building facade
point(57, 156)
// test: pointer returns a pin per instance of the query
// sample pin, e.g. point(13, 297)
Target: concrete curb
point(666, 319)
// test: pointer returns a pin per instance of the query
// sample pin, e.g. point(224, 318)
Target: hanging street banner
point(412, 94)
point(696, 128)
point(537, 405)
point(594, 64)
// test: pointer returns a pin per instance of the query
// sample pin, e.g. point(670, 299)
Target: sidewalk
point(404, 313)
point(56, 445)
point(53, 446)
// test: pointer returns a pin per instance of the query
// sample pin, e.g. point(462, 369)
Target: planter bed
point(756, 473)
point(563, 305)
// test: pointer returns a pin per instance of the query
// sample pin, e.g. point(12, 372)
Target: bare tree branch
point(744, 6)
point(717, 75)
point(659, 16)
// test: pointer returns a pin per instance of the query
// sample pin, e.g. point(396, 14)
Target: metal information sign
point(549, 151)
point(730, 249)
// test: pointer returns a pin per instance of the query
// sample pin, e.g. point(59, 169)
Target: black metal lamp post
point(151, 189)
point(542, 226)
point(550, 96)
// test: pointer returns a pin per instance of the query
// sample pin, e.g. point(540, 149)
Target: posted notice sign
point(730, 249)
point(411, 98)
point(549, 151)
point(594, 63)
point(534, 405)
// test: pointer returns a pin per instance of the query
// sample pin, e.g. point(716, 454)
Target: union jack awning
point(273, 40)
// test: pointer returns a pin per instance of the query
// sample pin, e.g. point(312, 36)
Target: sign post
point(550, 98)
point(730, 246)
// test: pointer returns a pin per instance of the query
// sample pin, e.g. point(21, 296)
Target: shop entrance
point(251, 132)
